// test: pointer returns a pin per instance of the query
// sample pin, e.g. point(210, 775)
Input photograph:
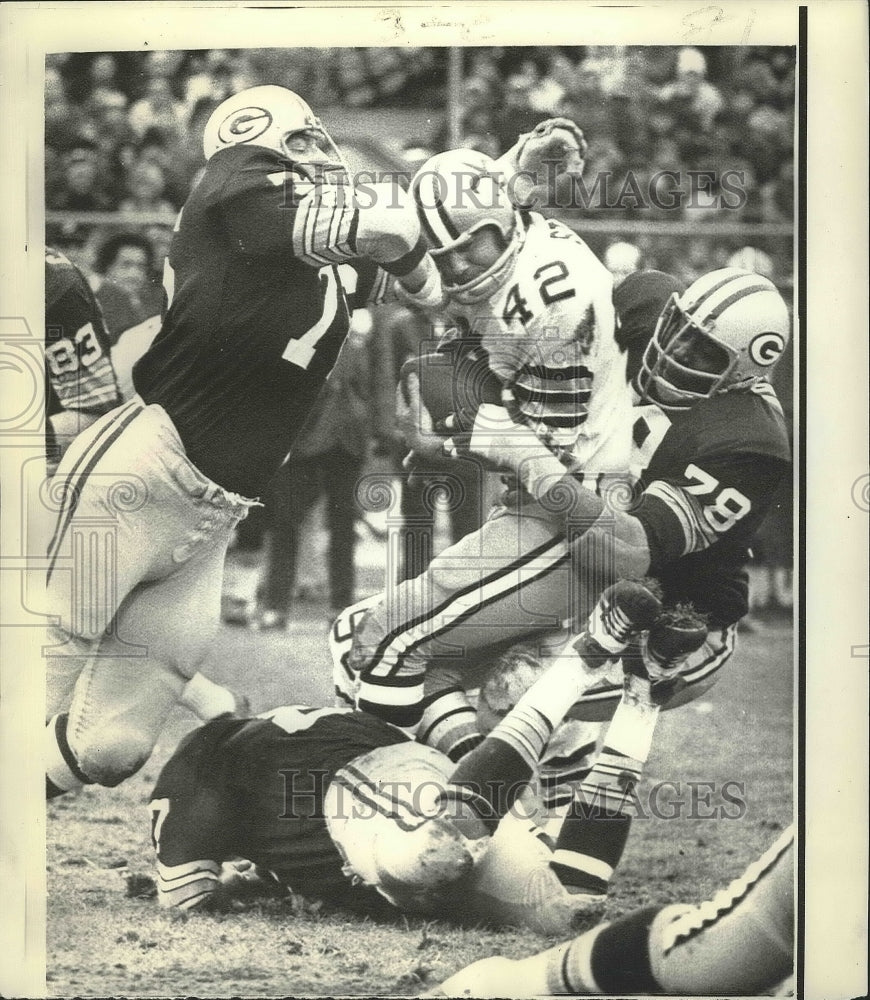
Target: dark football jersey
point(78, 365)
point(256, 316)
point(254, 788)
point(710, 476)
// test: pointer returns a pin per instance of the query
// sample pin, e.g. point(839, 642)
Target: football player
point(710, 451)
point(81, 385)
point(740, 942)
point(328, 799)
point(150, 493)
point(535, 309)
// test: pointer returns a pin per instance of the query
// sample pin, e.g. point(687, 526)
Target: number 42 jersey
point(549, 335)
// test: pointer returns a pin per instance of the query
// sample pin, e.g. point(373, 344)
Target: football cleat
point(624, 610)
point(676, 634)
point(514, 884)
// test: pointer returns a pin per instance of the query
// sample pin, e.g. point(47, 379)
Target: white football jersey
point(549, 333)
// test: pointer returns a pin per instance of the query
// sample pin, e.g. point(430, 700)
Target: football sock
point(610, 958)
point(62, 772)
point(498, 768)
point(594, 833)
point(206, 699)
point(449, 724)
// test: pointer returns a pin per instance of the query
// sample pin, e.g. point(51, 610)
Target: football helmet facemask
point(727, 330)
point(269, 116)
point(456, 195)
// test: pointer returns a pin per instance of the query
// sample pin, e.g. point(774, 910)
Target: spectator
point(146, 185)
point(691, 93)
point(158, 109)
point(355, 89)
point(126, 289)
point(62, 118)
point(102, 75)
point(777, 196)
point(516, 114)
point(82, 187)
point(550, 89)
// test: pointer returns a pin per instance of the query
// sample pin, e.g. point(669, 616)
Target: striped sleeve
point(325, 224)
point(188, 884)
point(688, 530)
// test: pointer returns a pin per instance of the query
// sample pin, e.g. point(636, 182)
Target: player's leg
point(121, 701)
point(508, 579)
point(101, 547)
point(741, 943)
point(292, 493)
point(595, 830)
point(340, 473)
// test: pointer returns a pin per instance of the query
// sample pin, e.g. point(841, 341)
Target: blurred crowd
point(123, 130)
point(123, 135)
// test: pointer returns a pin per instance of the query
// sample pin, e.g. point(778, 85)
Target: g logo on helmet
point(244, 125)
point(766, 348)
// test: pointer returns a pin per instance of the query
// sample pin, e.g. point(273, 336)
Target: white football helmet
point(386, 815)
point(455, 194)
point(267, 116)
point(729, 328)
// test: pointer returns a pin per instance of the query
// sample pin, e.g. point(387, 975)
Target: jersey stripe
point(698, 533)
point(724, 902)
point(75, 481)
point(324, 225)
point(186, 885)
point(465, 601)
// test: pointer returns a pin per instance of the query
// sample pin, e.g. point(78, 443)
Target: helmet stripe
point(433, 217)
point(422, 215)
point(735, 297)
point(691, 306)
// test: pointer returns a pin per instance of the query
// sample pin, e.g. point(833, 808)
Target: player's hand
point(557, 141)
point(240, 878)
point(495, 438)
point(414, 420)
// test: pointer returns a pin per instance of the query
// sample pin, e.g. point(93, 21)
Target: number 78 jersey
point(549, 334)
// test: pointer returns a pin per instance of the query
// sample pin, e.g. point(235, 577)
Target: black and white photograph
point(412, 450)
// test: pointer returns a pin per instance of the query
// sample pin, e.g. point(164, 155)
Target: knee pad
point(109, 755)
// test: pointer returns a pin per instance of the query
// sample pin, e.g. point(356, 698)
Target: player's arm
point(274, 210)
point(192, 823)
point(723, 496)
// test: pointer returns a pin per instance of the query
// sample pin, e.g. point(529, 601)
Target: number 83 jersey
point(549, 334)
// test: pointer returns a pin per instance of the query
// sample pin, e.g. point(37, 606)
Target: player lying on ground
point(709, 449)
point(81, 385)
point(151, 492)
point(326, 799)
point(740, 942)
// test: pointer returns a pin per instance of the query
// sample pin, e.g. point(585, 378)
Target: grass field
point(101, 942)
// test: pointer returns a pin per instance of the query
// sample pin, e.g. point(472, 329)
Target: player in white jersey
point(533, 308)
